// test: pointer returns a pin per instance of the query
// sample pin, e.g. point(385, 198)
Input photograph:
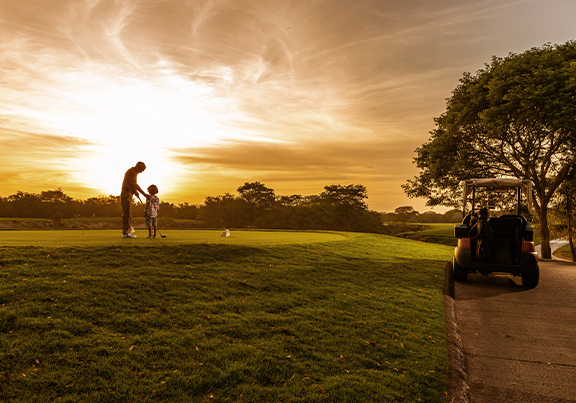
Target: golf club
point(138, 196)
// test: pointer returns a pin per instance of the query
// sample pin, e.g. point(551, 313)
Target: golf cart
point(496, 244)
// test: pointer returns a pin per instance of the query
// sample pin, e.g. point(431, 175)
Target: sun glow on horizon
point(105, 171)
point(129, 119)
point(211, 94)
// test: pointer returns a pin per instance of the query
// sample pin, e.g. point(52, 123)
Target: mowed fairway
point(257, 317)
point(74, 238)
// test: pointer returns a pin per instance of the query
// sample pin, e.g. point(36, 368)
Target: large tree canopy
point(514, 118)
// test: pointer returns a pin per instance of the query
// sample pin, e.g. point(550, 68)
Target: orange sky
point(296, 94)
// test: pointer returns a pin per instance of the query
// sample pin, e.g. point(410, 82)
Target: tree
point(514, 118)
point(258, 197)
point(102, 206)
point(291, 201)
point(452, 216)
point(56, 201)
point(343, 207)
point(564, 212)
point(27, 205)
point(351, 196)
point(186, 211)
point(222, 211)
point(405, 213)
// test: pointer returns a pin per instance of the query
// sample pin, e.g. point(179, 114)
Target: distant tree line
point(55, 204)
point(407, 214)
point(255, 205)
point(339, 207)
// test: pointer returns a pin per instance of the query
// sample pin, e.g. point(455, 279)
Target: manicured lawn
point(257, 317)
point(445, 230)
point(564, 252)
point(436, 233)
point(72, 238)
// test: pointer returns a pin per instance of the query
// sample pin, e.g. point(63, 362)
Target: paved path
point(554, 244)
point(519, 344)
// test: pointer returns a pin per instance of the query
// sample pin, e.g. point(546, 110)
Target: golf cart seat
point(508, 235)
point(506, 227)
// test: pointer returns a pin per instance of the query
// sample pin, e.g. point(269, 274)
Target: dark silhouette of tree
point(101, 206)
point(405, 213)
point(27, 205)
point(344, 207)
point(351, 196)
point(337, 208)
point(186, 211)
point(57, 202)
point(223, 211)
point(258, 198)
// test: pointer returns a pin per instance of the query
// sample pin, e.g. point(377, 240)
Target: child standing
point(152, 207)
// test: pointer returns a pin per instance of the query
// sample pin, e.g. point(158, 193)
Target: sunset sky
point(296, 94)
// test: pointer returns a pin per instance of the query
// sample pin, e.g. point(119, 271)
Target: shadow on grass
point(360, 320)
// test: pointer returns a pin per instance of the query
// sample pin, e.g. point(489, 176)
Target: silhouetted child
point(151, 211)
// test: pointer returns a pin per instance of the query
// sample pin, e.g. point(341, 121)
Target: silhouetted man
point(129, 189)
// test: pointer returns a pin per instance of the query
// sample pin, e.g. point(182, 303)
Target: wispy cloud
point(33, 162)
point(301, 168)
point(296, 93)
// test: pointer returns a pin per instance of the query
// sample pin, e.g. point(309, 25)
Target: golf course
point(260, 316)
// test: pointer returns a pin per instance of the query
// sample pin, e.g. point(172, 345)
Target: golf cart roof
point(525, 184)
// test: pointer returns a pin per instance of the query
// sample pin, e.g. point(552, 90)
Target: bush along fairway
point(358, 319)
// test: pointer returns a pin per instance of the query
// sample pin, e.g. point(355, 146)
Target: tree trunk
point(570, 240)
point(544, 233)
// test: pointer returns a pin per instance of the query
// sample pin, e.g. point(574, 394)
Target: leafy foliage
point(514, 118)
point(257, 197)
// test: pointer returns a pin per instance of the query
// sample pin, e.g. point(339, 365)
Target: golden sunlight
point(211, 94)
point(132, 120)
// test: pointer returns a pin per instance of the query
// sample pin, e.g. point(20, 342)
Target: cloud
point(296, 93)
point(33, 162)
point(295, 168)
point(288, 159)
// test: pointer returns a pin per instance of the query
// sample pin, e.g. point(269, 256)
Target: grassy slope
point(564, 252)
point(435, 233)
point(358, 318)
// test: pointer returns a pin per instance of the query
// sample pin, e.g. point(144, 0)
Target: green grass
point(564, 252)
point(257, 317)
point(9, 219)
point(173, 237)
point(435, 233)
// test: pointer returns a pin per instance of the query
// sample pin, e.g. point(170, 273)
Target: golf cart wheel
point(530, 280)
point(459, 272)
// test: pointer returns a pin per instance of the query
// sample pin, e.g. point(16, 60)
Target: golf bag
point(484, 240)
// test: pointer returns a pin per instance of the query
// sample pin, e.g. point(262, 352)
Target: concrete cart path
point(519, 344)
point(554, 244)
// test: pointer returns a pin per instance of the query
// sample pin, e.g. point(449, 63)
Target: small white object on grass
point(226, 233)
